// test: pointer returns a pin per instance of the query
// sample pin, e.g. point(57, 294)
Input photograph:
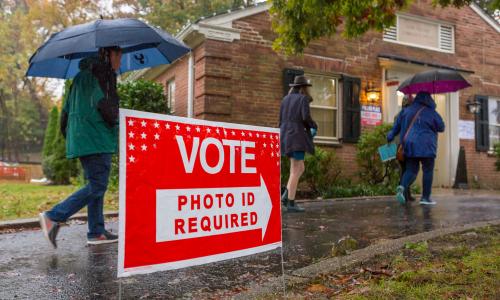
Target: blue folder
point(387, 152)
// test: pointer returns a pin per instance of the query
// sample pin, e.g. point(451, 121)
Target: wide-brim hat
point(300, 80)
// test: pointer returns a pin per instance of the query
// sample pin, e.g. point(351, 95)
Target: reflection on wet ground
point(30, 269)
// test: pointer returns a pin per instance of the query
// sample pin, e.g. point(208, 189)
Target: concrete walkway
point(30, 268)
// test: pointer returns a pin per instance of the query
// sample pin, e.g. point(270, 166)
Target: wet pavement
point(31, 269)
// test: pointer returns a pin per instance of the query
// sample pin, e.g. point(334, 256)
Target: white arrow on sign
point(194, 221)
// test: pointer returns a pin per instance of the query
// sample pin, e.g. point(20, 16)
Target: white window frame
point(171, 95)
point(326, 139)
point(424, 20)
point(490, 123)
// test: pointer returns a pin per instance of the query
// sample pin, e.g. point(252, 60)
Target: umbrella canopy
point(434, 82)
point(143, 46)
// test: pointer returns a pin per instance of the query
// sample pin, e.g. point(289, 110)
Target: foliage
point(143, 95)
point(322, 170)
point(50, 132)
point(345, 190)
point(372, 169)
point(298, 22)
point(25, 200)
point(496, 150)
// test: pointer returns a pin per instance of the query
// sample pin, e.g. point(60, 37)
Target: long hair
point(104, 53)
point(300, 90)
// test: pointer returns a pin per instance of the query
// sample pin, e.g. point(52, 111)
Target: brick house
point(233, 75)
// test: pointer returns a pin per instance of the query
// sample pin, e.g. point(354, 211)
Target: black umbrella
point(434, 82)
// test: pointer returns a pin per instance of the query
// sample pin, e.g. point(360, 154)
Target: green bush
point(143, 95)
point(322, 170)
point(372, 170)
point(50, 132)
point(496, 149)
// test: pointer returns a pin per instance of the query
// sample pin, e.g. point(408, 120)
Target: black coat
point(295, 124)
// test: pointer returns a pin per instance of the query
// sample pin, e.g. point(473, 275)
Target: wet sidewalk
point(31, 269)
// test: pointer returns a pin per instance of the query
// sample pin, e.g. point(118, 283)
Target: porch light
point(372, 94)
point(473, 106)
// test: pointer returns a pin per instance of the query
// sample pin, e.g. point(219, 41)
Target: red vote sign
point(194, 192)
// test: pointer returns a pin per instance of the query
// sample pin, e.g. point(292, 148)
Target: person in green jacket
point(89, 122)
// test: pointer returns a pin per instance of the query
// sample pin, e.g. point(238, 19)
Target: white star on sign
point(265, 145)
point(131, 147)
point(167, 126)
point(242, 133)
point(258, 135)
point(188, 129)
point(198, 129)
point(157, 125)
point(208, 130)
point(271, 136)
point(131, 158)
point(233, 133)
point(217, 130)
point(130, 122)
point(225, 132)
point(264, 136)
point(143, 136)
point(143, 123)
point(272, 154)
point(131, 135)
point(177, 127)
point(144, 147)
point(157, 136)
point(277, 154)
point(250, 134)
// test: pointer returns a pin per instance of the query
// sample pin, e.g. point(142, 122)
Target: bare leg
point(296, 170)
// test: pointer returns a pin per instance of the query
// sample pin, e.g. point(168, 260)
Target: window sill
point(327, 142)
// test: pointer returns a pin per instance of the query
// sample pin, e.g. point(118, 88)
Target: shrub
point(372, 170)
point(143, 95)
point(322, 171)
point(50, 132)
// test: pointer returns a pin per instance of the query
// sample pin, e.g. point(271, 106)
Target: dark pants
point(412, 167)
point(96, 169)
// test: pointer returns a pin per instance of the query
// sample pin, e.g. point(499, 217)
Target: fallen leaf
point(317, 288)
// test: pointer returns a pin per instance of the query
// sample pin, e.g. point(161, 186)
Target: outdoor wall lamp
point(473, 106)
point(372, 93)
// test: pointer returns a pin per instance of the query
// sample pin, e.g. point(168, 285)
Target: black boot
point(294, 208)
point(284, 197)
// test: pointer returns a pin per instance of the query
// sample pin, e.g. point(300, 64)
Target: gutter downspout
point(190, 102)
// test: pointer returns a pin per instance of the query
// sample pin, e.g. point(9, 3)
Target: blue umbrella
point(143, 46)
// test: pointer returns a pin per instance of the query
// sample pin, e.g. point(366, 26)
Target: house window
point(494, 121)
point(171, 95)
point(419, 32)
point(325, 107)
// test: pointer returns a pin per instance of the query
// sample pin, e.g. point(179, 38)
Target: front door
point(442, 165)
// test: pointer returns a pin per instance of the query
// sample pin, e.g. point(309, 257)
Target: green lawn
point(24, 200)
point(459, 266)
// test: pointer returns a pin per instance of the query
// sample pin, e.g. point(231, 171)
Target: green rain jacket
point(89, 119)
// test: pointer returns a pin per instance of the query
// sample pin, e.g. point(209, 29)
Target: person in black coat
point(297, 130)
